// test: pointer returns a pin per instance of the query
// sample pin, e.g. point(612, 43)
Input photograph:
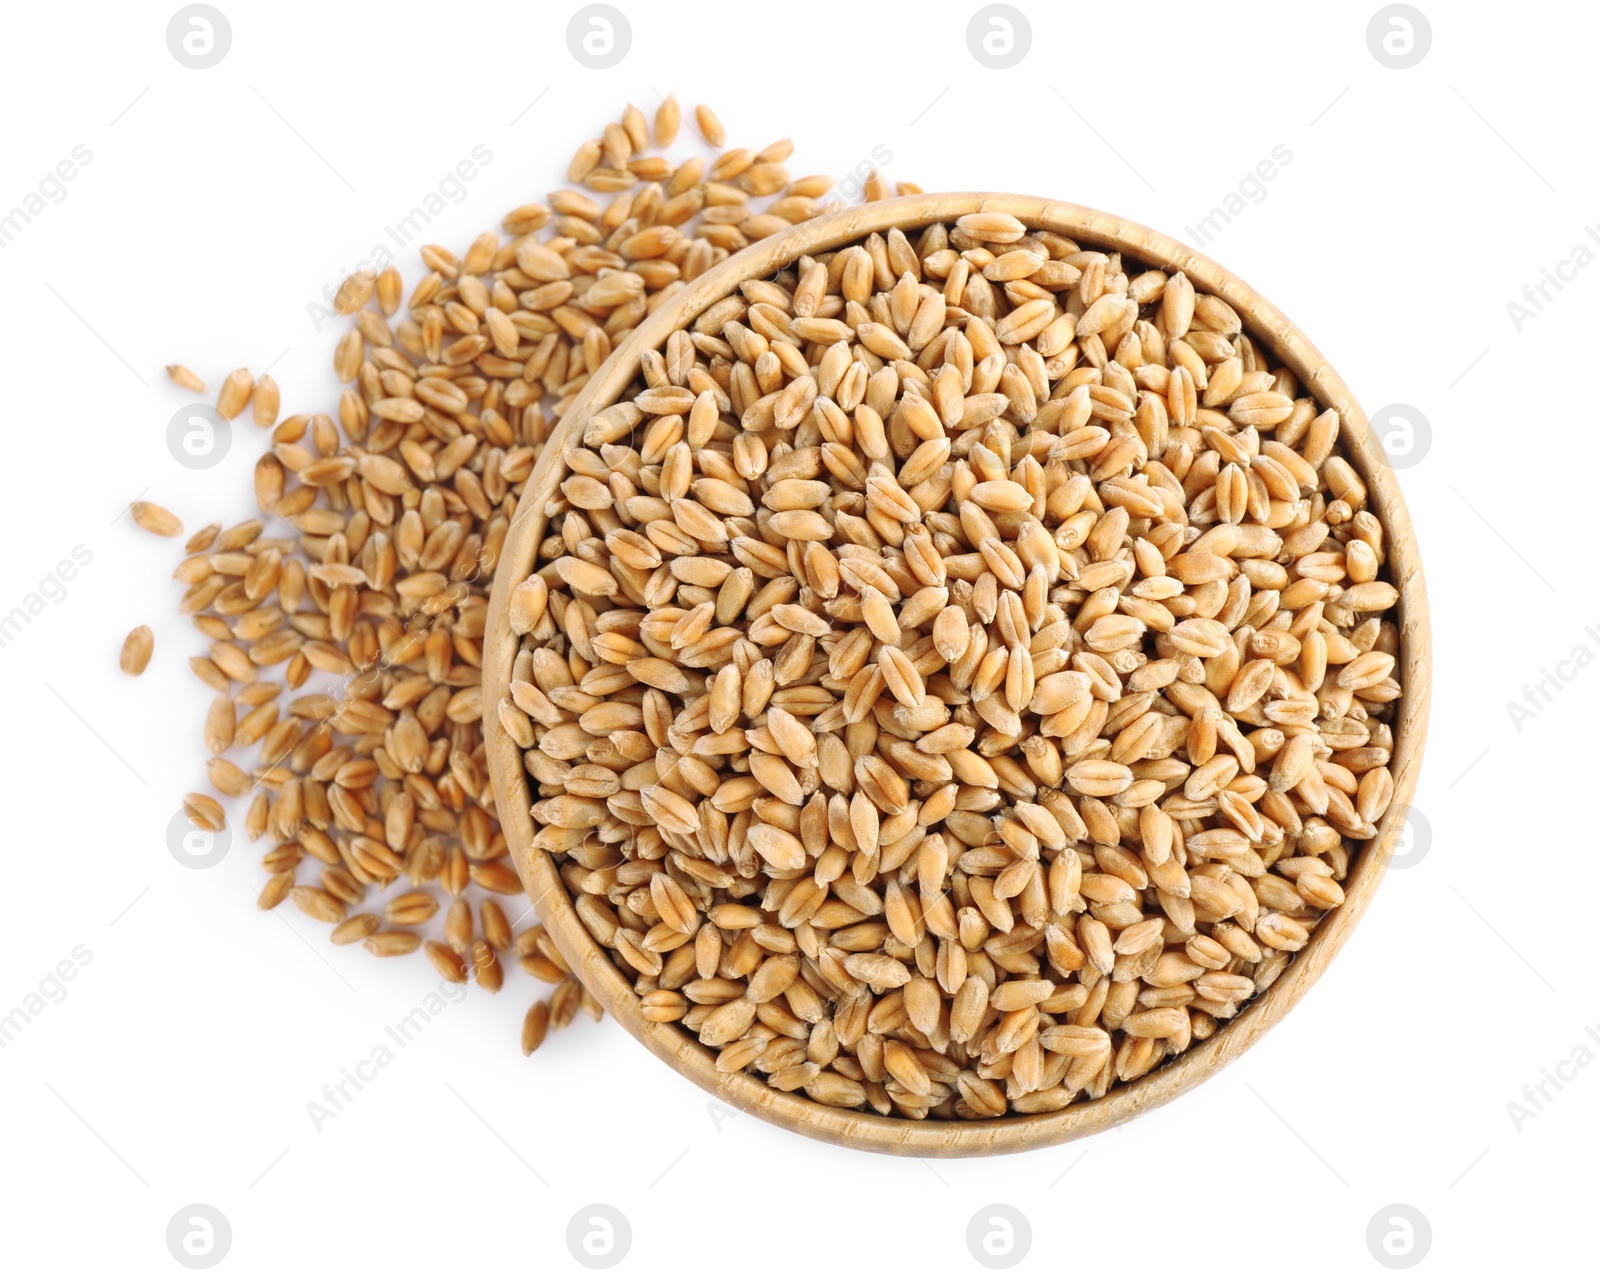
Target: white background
point(219, 203)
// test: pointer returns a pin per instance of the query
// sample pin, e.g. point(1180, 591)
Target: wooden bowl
point(931, 1137)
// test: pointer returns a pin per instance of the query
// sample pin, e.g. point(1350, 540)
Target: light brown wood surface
point(893, 1135)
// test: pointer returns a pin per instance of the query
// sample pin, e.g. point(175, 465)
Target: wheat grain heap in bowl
point(954, 676)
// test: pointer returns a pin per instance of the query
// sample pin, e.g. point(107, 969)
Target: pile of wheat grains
point(956, 675)
point(382, 521)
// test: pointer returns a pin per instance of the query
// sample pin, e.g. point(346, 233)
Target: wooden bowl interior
point(795, 1111)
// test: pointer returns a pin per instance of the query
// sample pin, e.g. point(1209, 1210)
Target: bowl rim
point(943, 1138)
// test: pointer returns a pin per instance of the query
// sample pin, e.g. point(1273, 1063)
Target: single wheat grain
point(136, 649)
point(153, 518)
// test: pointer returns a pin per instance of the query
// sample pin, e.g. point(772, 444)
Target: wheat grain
point(392, 942)
point(354, 929)
point(709, 125)
point(136, 650)
point(153, 518)
point(180, 375)
point(234, 393)
point(264, 402)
